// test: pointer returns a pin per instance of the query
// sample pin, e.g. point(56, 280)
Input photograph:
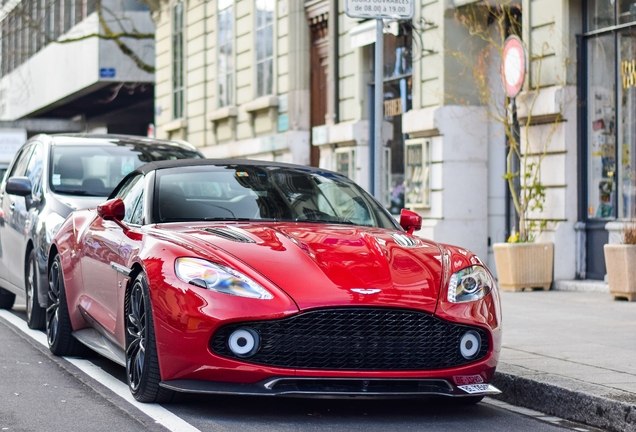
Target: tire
point(7, 299)
point(35, 314)
point(142, 362)
point(58, 322)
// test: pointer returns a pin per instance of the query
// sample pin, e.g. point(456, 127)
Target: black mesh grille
point(355, 339)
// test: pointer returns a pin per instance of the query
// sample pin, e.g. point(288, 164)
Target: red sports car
point(246, 277)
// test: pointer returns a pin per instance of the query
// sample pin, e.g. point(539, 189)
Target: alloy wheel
point(136, 329)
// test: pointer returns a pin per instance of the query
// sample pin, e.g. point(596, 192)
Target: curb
point(597, 411)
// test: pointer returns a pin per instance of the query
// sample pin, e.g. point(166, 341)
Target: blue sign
point(107, 73)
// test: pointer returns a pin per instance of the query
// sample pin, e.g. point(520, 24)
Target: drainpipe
point(334, 57)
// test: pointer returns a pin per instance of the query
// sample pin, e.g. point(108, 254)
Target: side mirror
point(410, 221)
point(20, 186)
point(112, 210)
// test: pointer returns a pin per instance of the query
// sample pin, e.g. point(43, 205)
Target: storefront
point(609, 135)
point(397, 100)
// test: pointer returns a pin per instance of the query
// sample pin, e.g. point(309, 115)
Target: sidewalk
point(570, 354)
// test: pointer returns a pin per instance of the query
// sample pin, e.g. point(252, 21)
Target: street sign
point(380, 9)
point(513, 66)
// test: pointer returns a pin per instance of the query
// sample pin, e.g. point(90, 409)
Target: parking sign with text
point(380, 9)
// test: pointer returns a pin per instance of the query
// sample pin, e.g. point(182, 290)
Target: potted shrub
point(620, 261)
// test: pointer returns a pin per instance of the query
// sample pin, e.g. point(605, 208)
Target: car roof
point(165, 164)
point(114, 139)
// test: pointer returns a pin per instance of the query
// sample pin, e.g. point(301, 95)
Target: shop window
point(627, 123)
point(600, 14)
point(264, 47)
point(226, 53)
point(417, 167)
point(601, 128)
point(398, 69)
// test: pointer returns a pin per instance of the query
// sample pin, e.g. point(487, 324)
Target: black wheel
point(34, 312)
point(6, 299)
point(58, 322)
point(142, 363)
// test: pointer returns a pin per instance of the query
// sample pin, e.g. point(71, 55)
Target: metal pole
point(379, 111)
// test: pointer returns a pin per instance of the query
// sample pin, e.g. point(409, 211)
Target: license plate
point(474, 388)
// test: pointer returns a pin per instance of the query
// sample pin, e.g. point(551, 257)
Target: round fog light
point(470, 344)
point(243, 342)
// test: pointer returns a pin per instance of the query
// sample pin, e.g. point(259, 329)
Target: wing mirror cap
point(113, 209)
point(410, 221)
point(20, 186)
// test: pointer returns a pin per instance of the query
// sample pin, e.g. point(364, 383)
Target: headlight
point(469, 284)
point(218, 278)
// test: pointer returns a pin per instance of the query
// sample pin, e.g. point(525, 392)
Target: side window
point(130, 194)
point(34, 170)
point(20, 164)
point(137, 216)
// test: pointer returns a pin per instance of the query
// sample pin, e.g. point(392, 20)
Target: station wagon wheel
point(58, 322)
point(142, 363)
point(34, 312)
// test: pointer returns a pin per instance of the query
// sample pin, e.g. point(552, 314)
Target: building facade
point(283, 80)
point(54, 67)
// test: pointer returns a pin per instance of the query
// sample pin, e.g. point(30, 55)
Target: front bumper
point(334, 387)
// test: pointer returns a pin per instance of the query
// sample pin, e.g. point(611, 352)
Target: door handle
point(12, 206)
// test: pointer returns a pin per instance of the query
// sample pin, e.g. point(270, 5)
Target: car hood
point(65, 204)
point(322, 265)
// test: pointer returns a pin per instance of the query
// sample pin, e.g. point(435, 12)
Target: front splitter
point(334, 387)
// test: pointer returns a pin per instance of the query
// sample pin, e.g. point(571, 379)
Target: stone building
point(282, 80)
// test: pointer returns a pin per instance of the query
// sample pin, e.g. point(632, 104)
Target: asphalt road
point(39, 391)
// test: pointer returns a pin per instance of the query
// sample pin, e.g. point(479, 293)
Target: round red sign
point(513, 66)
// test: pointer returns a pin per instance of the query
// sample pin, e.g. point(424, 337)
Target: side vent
point(404, 240)
point(230, 234)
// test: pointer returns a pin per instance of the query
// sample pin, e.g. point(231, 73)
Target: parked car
point(264, 278)
point(49, 177)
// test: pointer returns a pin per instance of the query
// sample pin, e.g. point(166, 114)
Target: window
point(19, 164)
point(264, 47)
point(417, 173)
point(32, 24)
point(34, 170)
point(177, 61)
point(226, 53)
point(132, 195)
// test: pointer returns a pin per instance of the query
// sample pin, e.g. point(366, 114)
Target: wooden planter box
point(620, 261)
point(524, 265)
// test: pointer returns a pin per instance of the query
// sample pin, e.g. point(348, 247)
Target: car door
point(11, 240)
point(100, 250)
point(25, 215)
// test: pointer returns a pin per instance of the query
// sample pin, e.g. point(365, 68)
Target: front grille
point(355, 339)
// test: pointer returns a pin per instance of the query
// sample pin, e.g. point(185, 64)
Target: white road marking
point(158, 413)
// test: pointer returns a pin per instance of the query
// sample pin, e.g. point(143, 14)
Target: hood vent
point(404, 240)
point(230, 234)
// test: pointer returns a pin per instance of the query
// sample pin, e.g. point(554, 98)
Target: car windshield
point(96, 170)
point(267, 193)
